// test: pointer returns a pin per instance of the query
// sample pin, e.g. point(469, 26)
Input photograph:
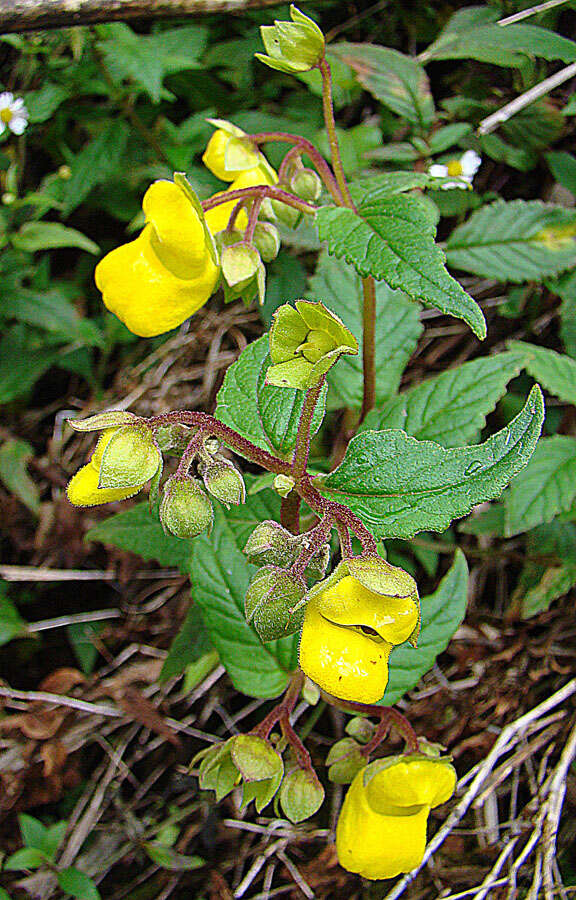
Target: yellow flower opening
point(156, 282)
point(348, 634)
point(382, 826)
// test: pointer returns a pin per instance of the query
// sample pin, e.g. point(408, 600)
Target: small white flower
point(464, 168)
point(13, 113)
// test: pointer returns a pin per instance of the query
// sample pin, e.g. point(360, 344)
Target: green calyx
point(292, 47)
point(131, 458)
point(344, 761)
point(272, 545)
point(301, 795)
point(306, 340)
point(245, 759)
point(243, 273)
point(185, 509)
point(275, 603)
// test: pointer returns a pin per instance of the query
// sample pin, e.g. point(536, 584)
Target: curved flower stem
point(369, 345)
point(339, 513)
point(388, 717)
point(190, 452)
point(261, 191)
point(345, 542)
point(234, 215)
point(302, 448)
point(253, 219)
point(209, 425)
point(318, 161)
point(328, 109)
point(284, 708)
point(293, 155)
point(314, 540)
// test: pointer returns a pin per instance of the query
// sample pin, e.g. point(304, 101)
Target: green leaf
point(489, 521)
point(12, 625)
point(399, 486)
point(98, 161)
point(546, 487)
point(22, 362)
point(563, 168)
point(53, 838)
point(140, 532)
point(35, 236)
point(398, 81)
point(393, 240)
point(565, 288)
point(451, 408)
point(82, 639)
point(33, 831)
point(78, 884)
point(26, 858)
point(442, 613)
point(397, 330)
point(266, 415)
point(43, 103)
point(169, 859)
point(554, 583)
point(14, 458)
point(556, 372)
point(522, 240)
point(148, 59)
point(53, 311)
point(220, 576)
point(189, 645)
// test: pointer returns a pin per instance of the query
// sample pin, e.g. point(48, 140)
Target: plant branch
point(253, 219)
point(388, 717)
point(330, 122)
point(302, 448)
point(369, 345)
point(314, 540)
point(338, 512)
point(260, 191)
point(318, 161)
point(290, 512)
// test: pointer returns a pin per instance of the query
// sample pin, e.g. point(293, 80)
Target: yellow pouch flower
point(382, 826)
point(83, 487)
point(352, 622)
point(158, 280)
point(230, 152)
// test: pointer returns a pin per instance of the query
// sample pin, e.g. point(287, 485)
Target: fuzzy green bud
point(292, 47)
point(287, 215)
point(244, 759)
point(306, 184)
point(301, 795)
point(283, 485)
point(223, 481)
point(267, 241)
point(344, 761)
point(185, 509)
point(271, 544)
point(360, 729)
point(243, 273)
point(131, 458)
point(275, 603)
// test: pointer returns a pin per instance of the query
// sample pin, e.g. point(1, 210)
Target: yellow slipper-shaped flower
point(83, 488)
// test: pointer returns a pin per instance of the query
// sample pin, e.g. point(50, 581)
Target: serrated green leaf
point(14, 458)
point(452, 407)
point(555, 371)
point(393, 240)
point(78, 884)
point(53, 311)
point(138, 531)
point(98, 161)
point(522, 240)
point(12, 625)
point(565, 288)
point(189, 645)
point(398, 81)
point(442, 613)
point(546, 487)
point(220, 577)
point(34, 236)
point(266, 415)
point(397, 329)
point(399, 486)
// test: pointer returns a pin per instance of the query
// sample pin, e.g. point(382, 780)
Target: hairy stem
point(388, 717)
point(338, 512)
point(328, 109)
point(345, 542)
point(302, 448)
point(290, 512)
point(284, 708)
point(253, 219)
point(318, 161)
point(316, 537)
point(369, 345)
point(260, 191)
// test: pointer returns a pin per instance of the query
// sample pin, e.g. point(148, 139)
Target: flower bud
point(360, 729)
point(311, 692)
point(283, 485)
point(267, 241)
point(223, 481)
point(271, 544)
point(246, 759)
point(185, 509)
point(301, 795)
point(306, 340)
point(287, 215)
point(292, 47)
point(275, 603)
point(129, 458)
point(345, 760)
point(114, 418)
point(306, 184)
point(243, 273)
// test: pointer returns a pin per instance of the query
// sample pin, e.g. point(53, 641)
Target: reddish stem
point(262, 190)
point(388, 717)
point(318, 161)
point(316, 537)
point(302, 448)
point(253, 219)
point(337, 511)
point(290, 512)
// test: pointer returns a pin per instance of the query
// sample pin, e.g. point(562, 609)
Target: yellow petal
point(262, 174)
point(378, 846)
point(350, 603)
point(83, 489)
point(181, 243)
point(103, 442)
point(410, 783)
point(144, 294)
point(343, 662)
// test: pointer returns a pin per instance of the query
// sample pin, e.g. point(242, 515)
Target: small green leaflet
point(563, 168)
point(35, 236)
point(398, 81)
point(98, 161)
point(266, 415)
point(442, 613)
point(12, 625)
point(546, 487)
point(523, 240)
point(14, 458)
point(138, 531)
point(399, 486)
point(556, 372)
point(555, 582)
point(220, 577)
point(397, 329)
point(392, 239)
point(452, 407)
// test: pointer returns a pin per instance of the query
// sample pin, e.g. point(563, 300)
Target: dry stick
point(507, 735)
point(490, 123)
point(555, 802)
point(33, 15)
point(531, 11)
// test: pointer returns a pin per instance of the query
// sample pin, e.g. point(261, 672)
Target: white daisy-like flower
point(464, 168)
point(13, 113)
